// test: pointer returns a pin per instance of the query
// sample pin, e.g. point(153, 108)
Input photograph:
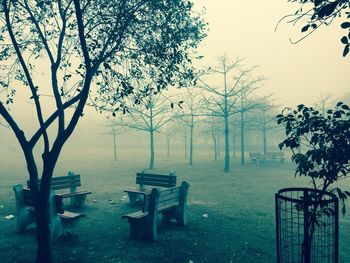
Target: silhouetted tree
point(315, 13)
point(81, 44)
point(150, 115)
point(222, 102)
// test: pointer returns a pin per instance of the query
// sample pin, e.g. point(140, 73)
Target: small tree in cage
point(326, 139)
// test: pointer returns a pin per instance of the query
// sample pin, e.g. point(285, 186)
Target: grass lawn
point(238, 207)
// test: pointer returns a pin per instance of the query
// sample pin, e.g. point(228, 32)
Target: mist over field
point(191, 93)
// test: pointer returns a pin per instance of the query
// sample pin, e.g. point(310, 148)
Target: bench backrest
point(71, 181)
point(161, 198)
point(160, 180)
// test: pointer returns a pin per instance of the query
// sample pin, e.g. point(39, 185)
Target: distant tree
point(114, 130)
point(263, 119)
point(80, 44)
point(234, 136)
point(170, 131)
point(246, 103)
point(315, 13)
point(323, 102)
point(222, 102)
point(192, 110)
point(213, 130)
point(150, 115)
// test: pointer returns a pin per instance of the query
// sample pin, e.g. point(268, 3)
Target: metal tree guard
point(307, 225)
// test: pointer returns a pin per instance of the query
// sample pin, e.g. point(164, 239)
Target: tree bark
point(44, 251)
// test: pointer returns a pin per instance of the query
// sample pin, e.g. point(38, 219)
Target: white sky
point(297, 73)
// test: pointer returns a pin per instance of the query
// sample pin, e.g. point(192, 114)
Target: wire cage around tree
point(307, 226)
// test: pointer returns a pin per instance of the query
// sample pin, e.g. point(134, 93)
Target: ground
point(231, 216)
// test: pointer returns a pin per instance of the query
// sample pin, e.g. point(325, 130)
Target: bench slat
point(70, 215)
point(156, 175)
point(83, 192)
point(138, 214)
point(155, 183)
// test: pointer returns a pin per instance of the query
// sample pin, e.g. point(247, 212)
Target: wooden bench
point(144, 179)
point(260, 158)
point(60, 220)
point(170, 202)
point(71, 181)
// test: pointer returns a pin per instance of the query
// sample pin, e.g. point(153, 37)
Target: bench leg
point(143, 227)
point(77, 201)
point(136, 226)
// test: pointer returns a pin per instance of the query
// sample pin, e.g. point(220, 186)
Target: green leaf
point(345, 25)
point(344, 40)
point(346, 50)
point(305, 28)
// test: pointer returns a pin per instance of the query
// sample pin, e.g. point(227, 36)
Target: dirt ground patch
point(230, 215)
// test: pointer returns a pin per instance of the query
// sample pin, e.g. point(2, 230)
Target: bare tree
point(150, 115)
point(192, 110)
point(245, 104)
point(170, 132)
point(324, 102)
point(80, 44)
point(222, 102)
point(263, 119)
point(213, 130)
point(114, 130)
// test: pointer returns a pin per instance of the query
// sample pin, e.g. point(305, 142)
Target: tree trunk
point(227, 146)
point(227, 139)
point(191, 145)
point(44, 250)
point(242, 139)
point(151, 161)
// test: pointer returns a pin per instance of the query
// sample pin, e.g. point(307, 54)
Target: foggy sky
point(296, 73)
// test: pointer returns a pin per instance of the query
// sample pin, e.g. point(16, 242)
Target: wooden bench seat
point(144, 179)
point(60, 220)
point(71, 181)
point(170, 202)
